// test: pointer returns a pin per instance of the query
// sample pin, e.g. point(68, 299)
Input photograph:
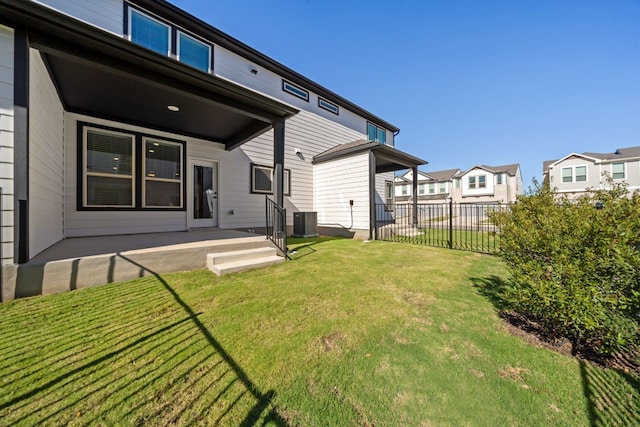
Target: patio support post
point(21, 146)
point(414, 192)
point(373, 223)
point(278, 162)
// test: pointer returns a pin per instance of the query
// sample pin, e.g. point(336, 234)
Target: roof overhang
point(593, 159)
point(100, 74)
point(388, 159)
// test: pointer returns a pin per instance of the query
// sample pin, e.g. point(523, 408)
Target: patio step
point(228, 262)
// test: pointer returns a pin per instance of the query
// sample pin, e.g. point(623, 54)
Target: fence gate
point(451, 225)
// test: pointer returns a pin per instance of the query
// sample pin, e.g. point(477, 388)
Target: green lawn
point(346, 333)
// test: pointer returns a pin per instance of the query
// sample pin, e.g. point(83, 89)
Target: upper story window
point(442, 187)
point(194, 52)
point(421, 189)
point(432, 188)
point(329, 106)
point(574, 174)
point(499, 178)
point(149, 32)
point(376, 133)
point(295, 90)
point(405, 190)
point(166, 39)
point(617, 170)
point(482, 181)
point(456, 182)
point(479, 181)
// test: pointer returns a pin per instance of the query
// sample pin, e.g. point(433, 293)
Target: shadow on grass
point(612, 395)
point(300, 247)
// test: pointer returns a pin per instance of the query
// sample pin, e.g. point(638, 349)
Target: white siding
point(337, 182)
point(238, 70)
point(6, 141)
point(46, 159)
point(105, 14)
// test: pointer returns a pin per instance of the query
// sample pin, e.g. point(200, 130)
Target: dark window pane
point(162, 194)
point(194, 53)
point(371, 132)
point(382, 136)
point(262, 179)
point(149, 33)
point(108, 153)
point(162, 160)
point(104, 191)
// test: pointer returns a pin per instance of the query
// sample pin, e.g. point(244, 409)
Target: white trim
point(86, 174)
point(552, 165)
point(573, 174)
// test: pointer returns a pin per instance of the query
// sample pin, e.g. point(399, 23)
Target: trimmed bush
point(575, 264)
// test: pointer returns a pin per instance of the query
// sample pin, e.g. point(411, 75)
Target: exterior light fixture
point(173, 108)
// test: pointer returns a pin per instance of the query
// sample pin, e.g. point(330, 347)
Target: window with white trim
point(432, 188)
point(456, 182)
point(295, 90)
point(405, 190)
point(472, 182)
point(442, 187)
point(499, 178)
point(193, 52)
point(262, 180)
point(109, 160)
point(482, 181)
point(149, 32)
point(421, 189)
point(162, 164)
point(617, 170)
point(574, 174)
point(376, 133)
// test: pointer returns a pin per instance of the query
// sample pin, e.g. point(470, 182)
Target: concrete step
point(245, 264)
point(231, 256)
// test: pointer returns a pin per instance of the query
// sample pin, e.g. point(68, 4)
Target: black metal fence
point(276, 225)
point(447, 224)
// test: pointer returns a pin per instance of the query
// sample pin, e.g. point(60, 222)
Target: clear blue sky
point(467, 82)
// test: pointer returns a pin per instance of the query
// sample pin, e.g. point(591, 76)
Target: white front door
point(202, 199)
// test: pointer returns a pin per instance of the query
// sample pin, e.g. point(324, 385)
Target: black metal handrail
point(276, 228)
point(447, 224)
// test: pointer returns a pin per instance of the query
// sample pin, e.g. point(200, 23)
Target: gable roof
point(510, 170)
point(445, 175)
point(388, 158)
point(619, 154)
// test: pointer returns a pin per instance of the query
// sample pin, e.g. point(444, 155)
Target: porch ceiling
point(101, 74)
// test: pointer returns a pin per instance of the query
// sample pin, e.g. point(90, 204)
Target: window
point(108, 169)
point(128, 170)
point(376, 133)
point(421, 189)
point(456, 182)
point(617, 170)
point(388, 192)
point(295, 90)
point(432, 188)
point(442, 187)
point(499, 179)
point(472, 182)
point(162, 174)
point(262, 180)
point(329, 106)
point(149, 32)
point(580, 173)
point(405, 190)
point(194, 52)
point(482, 181)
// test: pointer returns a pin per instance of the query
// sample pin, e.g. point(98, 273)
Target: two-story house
point(480, 184)
point(133, 116)
point(576, 173)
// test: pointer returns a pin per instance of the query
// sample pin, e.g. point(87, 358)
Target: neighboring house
point(575, 173)
point(126, 117)
point(480, 184)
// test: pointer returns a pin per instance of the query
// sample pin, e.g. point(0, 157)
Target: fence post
point(451, 223)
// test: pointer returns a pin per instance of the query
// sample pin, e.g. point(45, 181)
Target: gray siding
point(336, 183)
point(46, 159)
point(6, 141)
point(105, 14)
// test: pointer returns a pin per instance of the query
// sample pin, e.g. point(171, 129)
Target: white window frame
point(499, 179)
point(432, 188)
point(197, 40)
point(624, 170)
point(482, 181)
point(421, 189)
point(472, 183)
point(146, 178)
point(442, 187)
point(405, 189)
point(286, 176)
point(574, 175)
point(86, 174)
point(130, 11)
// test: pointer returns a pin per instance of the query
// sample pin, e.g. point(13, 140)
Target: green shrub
point(575, 264)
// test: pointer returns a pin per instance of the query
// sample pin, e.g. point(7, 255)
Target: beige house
point(575, 173)
point(480, 184)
